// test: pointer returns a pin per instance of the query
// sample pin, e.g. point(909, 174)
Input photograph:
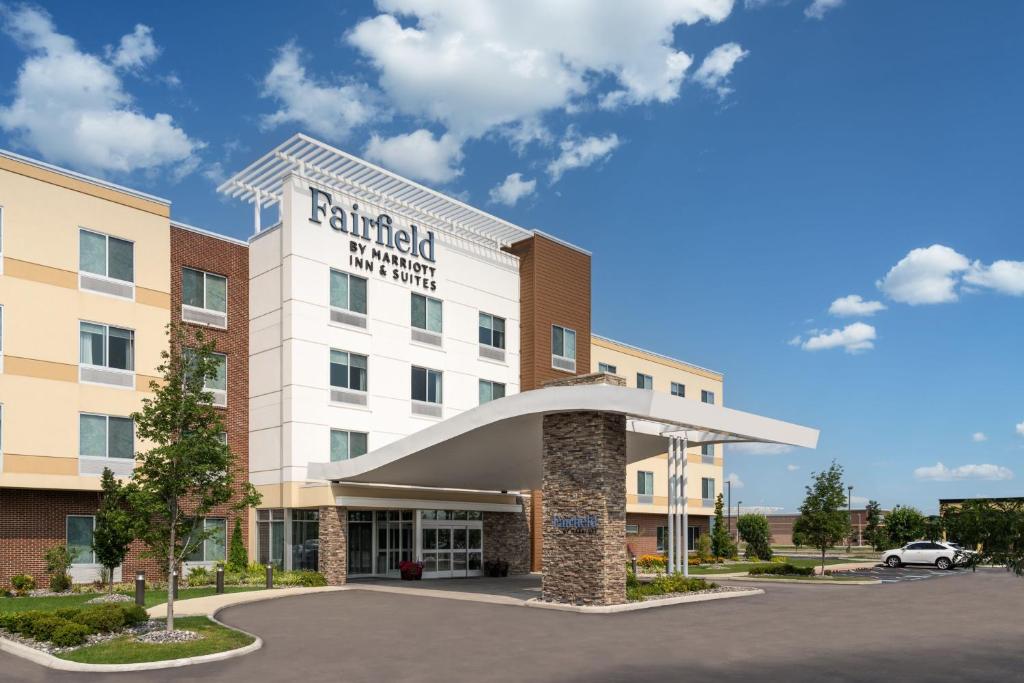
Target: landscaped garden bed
point(669, 586)
point(126, 648)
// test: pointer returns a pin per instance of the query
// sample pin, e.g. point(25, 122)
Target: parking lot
point(899, 574)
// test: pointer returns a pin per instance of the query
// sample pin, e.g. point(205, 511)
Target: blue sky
point(734, 167)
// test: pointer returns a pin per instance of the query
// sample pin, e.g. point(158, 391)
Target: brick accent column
point(584, 559)
point(334, 544)
point(507, 537)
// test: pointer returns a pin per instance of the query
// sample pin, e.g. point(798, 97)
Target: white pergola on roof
point(261, 183)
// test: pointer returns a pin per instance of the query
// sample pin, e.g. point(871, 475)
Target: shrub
point(60, 583)
point(134, 614)
point(754, 530)
point(69, 613)
point(704, 548)
point(781, 570)
point(42, 626)
point(663, 585)
point(237, 556)
point(303, 577)
point(652, 562)
point(103, 618)
point(201, 576)
point(69, 634)
point(22, 583)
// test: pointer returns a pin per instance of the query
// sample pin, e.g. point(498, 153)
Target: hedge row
point(255, 575)
point(784, 569)
point(70, 626)
point(663, 585)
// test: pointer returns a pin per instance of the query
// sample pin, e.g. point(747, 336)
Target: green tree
point(238, 558)
point(58, 561)
point(904, 524)
point(994, 528)
point(874, 531)
point(115, 525)
point(933, 528)
point(188, 471)
point(823, 520)
point(756, 533)
point(721, 541)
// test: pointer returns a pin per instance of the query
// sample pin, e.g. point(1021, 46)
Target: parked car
point(942, 555)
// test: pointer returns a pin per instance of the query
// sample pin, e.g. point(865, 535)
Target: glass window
point(213, 547)
point(348, 370)
point(104, 255)
point(707, 396)
point(645, 483)
point(492, 330)
point(662, 535)
point(490, 391)
point(707, 488)
point(346, 444)
point(707, 450)
point(426, 313)
point(105, 346)
point(104, 436)
point(605, 367)
point(644, 381)
point(204, 290)
point(79, 538)
point(348, 292)
point(220, 380)
point(563, 342)
point(678, 389)
point(426, 385)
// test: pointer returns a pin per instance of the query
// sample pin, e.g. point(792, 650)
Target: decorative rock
point(110, 597)
point(162, 637)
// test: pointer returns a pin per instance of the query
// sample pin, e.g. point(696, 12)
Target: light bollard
point(633, 559)
point(270, 576)
point(174, 584)
point(140, 589)
point(220, 580)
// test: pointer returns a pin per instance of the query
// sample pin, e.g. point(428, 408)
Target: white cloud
point(818, 8)
point(1020, 428)
point(854, 338)
point(512, 189)
point(978, 437)
point(796, 341)
point(713, 72)
point(580, 152)
point(758, 448)
point(136, 50)
point(418, 155)
point(737, 483)
point(71, 106)
point(854, 305)
point(925, 276)
point(1006, 277)
point(940, 472)
point(792, 468)
point(328, 110)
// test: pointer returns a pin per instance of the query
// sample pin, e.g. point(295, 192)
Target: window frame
point(704, 487)
point(202, 546)
point(426, 389)
point(106, 254)
point(562, 355)
point(481, 328)
point(348, 364)
point(492, 383)
point(644, 381)
point(206, 274)
point(705, 395)
point(707, 450)
point(348, 307)
point(426, 313)
point(645, 477)
point(92, 553)
point(106, 421)
point(106, 346)
point(608, 368)
point(348, 455)
point(678, 385)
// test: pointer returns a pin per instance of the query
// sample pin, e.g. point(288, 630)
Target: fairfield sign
point(377, 245)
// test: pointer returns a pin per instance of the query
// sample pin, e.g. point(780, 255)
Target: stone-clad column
point(584, 516)
point(334, 544)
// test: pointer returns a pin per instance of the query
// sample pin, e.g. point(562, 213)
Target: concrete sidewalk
point(196, 607)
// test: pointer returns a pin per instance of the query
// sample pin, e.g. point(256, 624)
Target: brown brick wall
point(646, 541)
point(221, 257)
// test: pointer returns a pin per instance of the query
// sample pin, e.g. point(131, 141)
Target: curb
point(250, 596)
point(812, 582)
point(51, 662)
point(646, 604)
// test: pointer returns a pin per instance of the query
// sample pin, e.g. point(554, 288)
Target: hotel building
point(406, 377)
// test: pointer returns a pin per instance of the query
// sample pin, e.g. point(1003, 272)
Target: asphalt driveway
point(947, 630)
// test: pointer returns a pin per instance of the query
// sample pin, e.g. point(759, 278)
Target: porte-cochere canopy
point(498, 446)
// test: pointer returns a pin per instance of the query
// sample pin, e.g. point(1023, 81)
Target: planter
point(411, 571)
point(496, 568)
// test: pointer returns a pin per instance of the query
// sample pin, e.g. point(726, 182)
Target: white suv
point(942, 555)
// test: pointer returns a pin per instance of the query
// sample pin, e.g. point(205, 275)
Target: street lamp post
point(728, 506)
point(849, 514)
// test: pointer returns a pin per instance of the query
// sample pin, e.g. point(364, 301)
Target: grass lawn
point(153, 597)
point(125, 650)
point(728, 568)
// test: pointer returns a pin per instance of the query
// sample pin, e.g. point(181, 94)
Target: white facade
point(291, 334)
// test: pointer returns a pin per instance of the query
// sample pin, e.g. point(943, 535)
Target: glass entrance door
point(360, 542)
point(452, 548)
point(394, 540)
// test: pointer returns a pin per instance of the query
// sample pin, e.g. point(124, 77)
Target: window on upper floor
point(678, 389)
point(644, 381)
point(105, 436)
point(78, 536)
point(204, 298)
point(346, 445)
point(707, 450)
point(563, 348)
point(707, 488)
point(645, 483)
point(348, 293)
point(218, 384)
point(106, 354)
point(707, 396)
point(214, 546)
point(426, 313)
point(426, 385)
point(605, 367)
point(348, 370)
point(106, 264)
point(492, 331)
point(490, 391)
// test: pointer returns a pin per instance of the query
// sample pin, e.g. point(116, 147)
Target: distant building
point(781, 525)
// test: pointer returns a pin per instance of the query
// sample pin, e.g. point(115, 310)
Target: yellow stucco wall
point(42, 305)
point(629, 361)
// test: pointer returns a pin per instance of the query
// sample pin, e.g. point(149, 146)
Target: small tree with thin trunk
point(115, 525)
point(905, 524)
point(756, 533)
point(721, 540)
point(874, 532)
point(238, 558)
point(188, 471)
point(824, 521)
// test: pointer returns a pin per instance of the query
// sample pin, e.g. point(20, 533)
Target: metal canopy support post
point(256, 212)
point(670, 531)
point(675, 508)
point(685, 532)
